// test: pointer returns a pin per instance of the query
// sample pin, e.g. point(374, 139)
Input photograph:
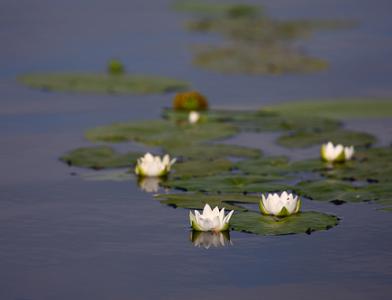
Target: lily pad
point(255, 60)
point(337, 109)
point(215, 151)
point(333, 190)
point(372, 165)
point(303, 139)
point(228, 183)
point(105, 84)
point(161, 133)
point(197, 168)
point(99, 157)
point(198, 200)
point(304, 222)
point(117, 175)
point(258, 121)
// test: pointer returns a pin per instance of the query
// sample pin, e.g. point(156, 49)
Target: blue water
point(62, 237)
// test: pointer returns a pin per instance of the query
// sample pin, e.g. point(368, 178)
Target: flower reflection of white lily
point(149, 184)
point(210, 239)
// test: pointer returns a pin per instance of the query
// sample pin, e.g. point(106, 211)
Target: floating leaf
point(197, 168)
point(337, 109)
point(214, 151)
point(302, 139)
point(372, 165)
point(119, 175)
point(161, 133)
point(99, 157)
point(229, 184)
point(198, 200)
point(332, 190)
point(304, 222)
point(105, 84)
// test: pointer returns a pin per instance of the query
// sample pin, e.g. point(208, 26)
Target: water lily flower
point(193, 117)
point(279, 205)
point(338, 153)
point(210, 239)
point(210, 220)
point(153, 166)
point(348, 152)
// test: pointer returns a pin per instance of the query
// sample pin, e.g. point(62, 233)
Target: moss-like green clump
point(115, 67)
point(189, 101)
point(103, 84)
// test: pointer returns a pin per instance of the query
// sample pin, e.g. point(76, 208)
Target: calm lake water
point(62, 237)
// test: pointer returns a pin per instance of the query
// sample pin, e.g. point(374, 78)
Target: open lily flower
point(338, 153)
point(331, 153)
point(210, 220)
point(280, 205)
point(193, 117)
point(348, 152)
point(153, 166)
point(210, 239)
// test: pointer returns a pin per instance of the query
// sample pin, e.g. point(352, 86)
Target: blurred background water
point(65, 238)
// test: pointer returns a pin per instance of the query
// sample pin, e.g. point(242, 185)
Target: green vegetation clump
point(115, 67)
point(190, 101)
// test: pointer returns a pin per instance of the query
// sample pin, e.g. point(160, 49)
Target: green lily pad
point(337, 109)
point(258, 121)
point(255, 60)
point(302, 139)
point(372, 165)
point(304, 222)
point(105, 84)
point(334, 191)
point(264, 165)
point(229, 183)
point(117, 175)
point(161, 133)
point(99, 157)
point(214, 151)
point(197, 168)
point(217, 9)
point(382, 192)
point(198, 200)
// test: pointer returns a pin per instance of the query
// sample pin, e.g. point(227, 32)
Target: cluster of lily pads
point(232, 177)
point(253, 42)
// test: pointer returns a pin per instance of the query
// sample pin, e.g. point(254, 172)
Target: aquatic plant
point(210, 219)
point(115, 67)
point(153, 166)
point(279, 205)
point(338, 153)
point(190, 101)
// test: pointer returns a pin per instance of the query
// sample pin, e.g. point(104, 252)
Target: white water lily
point(279, 205)
point(153, 166)
point(210, 220)
point(338, 153)
point(210, 239)
point(193, 117)
point(348, 152)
